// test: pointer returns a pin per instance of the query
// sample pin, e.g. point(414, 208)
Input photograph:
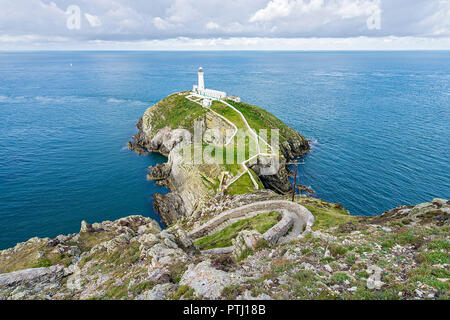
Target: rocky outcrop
point(170, 206)
point(183, 178)
point(437, 211)
point(246, 240)
point(278, 182)
point(401, 254)
point(24, 283)
point(294, 147)
point(207, 281)
point(159, 292)
point(159, 172)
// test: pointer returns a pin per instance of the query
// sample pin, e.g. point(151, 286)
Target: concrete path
point(296, 219)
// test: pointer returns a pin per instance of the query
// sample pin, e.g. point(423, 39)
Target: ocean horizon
point(377, 121)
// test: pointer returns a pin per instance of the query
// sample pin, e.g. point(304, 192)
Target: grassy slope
point(175, 111)
point(261, 223)
point(228, 113)
point(259, 118)
point(326, 214)
point(36, 255)
point(242, 185)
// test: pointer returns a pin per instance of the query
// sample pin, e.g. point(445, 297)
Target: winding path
point(296, 220)
point(250, 129)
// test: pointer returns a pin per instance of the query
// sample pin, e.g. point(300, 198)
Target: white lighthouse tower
point(200, 90)
point(201, 79)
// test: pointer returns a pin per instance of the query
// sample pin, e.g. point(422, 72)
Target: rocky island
point(168, 127)
point(233, 230)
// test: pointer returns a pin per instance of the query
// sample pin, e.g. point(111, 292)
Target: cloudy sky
point(224, 24)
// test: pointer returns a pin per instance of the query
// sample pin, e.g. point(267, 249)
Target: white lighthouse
point(201, 79)
point(200, 90)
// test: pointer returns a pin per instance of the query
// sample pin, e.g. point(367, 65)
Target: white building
point(234, 98)
point(200, 89)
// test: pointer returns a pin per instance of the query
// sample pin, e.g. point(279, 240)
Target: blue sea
point(378, 121)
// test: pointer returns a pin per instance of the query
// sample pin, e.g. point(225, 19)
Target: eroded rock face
point(181, 177)
point(246, 239)
point(207, 281)
point(294, 147)
point(278, 182)
point(25, 283)
point(159, 172)
point(170, 206)
point(437, 210)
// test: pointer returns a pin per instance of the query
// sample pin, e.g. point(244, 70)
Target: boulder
point(207, 281)
point(31, 277)
point(86, 227)
point(158, 292)
point(31, 283)
point(246, 239)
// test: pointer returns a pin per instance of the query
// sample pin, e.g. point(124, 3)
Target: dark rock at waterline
point(278, 182)
point(170, 207)
point(159, 172)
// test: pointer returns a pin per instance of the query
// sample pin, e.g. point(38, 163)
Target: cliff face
point(402, 254)
point(185, 180)
point(168, 127)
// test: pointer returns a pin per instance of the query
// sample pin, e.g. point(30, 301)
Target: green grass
point(177, 270)
point(43, 263)
point(340, 277)
point(337, 250)
point(242, 185)
point(141, 287)
point(363, 249)
point(182, 291)
point(229, 113)
point(210, 183)
point(259, 118)
point(434, 257)
point(440, 244)
point(247, 252)
point(117, 292)
point(430, 276)
point(326, 215)
point(258, 181)
point(218, 154)
point(231, 292)
point(261, 223)
point(174, 111)
point(304, 275)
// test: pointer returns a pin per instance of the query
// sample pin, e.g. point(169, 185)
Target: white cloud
point(235, 43)
point(440, 20)
point(182, 11)
point(212, 25)
point(349, 9)
point(161, 24)
point(30, 38)
point(274, 9)
point(110, 21)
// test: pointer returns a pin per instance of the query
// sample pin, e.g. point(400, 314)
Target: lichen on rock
point(401, 254)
